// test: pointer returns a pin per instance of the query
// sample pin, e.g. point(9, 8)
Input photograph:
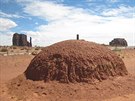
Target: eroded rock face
point(16, 39)
point(21, 40)
point(75, 61)
point(118, 42)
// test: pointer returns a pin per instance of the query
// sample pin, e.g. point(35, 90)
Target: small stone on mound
point(75, 61)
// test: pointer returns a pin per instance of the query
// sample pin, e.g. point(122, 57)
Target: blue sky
point(50, 21)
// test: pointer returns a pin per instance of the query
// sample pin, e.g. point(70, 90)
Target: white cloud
point(89, 0)
point(64, 22)
point(98, 32)
point(6, 38)
point(113, 1)
point(121, 11)
point(48, 10)
point(101, 33)
point(5, 15)
point(25, 1)
point(6, 24)
point(110, 1)
point(5, 33)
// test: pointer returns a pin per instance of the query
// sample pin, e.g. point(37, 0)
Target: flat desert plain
point(12, 89)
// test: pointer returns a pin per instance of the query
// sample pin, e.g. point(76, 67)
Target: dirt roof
point(75, 61)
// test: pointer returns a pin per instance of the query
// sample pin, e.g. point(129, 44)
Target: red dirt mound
point(75, 61)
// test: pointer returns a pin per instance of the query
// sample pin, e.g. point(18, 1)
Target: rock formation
point(75, 61)
point(30, 42)
point(77, 36)
point(21, 40)
point(16, 39)
point(118, 42)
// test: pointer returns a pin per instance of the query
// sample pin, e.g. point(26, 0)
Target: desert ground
point(12, 89)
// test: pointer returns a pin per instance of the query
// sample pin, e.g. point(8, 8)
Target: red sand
point(20, 89)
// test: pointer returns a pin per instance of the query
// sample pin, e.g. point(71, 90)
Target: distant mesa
point(118, 42)
point(21, 40)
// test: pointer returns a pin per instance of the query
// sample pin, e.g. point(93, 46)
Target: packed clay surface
point(75, 61)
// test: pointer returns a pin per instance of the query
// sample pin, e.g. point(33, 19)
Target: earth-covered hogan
point(118, 42)
point(75, 61)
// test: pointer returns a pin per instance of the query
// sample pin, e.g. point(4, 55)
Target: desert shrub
point(34, 53)
point(14, 47)
point(22, 48)
point(37, 48)
point(4, 50)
